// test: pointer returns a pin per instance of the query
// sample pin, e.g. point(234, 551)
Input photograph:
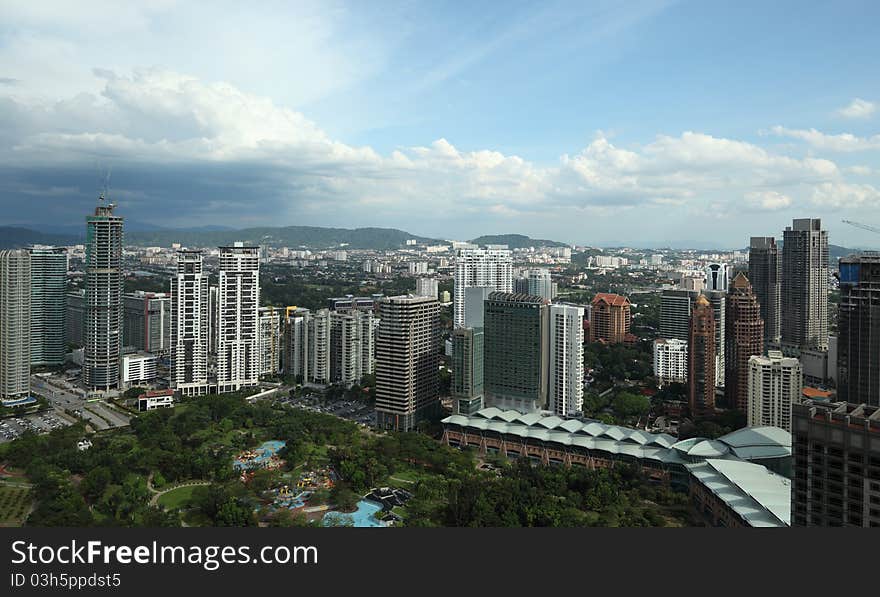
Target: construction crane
point(862, 226)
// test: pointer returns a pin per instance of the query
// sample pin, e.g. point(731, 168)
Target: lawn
point(15, 502)
point(177, 498)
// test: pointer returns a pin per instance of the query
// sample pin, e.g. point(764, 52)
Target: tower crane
point(862, 226)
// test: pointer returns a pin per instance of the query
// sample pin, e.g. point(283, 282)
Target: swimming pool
point(264, 453)
point(361, 518)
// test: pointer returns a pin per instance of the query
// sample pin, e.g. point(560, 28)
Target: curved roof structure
point(759, 496)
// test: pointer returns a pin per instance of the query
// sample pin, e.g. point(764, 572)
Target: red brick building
point(610, 318)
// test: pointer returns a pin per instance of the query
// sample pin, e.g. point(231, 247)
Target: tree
point(628, 405)
point(343, 497)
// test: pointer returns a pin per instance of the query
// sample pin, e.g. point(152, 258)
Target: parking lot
point(352, 410)
point(44, 422)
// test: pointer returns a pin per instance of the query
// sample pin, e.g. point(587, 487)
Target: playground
point(265, 457)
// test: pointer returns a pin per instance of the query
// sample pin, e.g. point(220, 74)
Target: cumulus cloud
point(767, 200)
point(841, 194)
point(820, 140)
point(211, 152)
point(858, 108)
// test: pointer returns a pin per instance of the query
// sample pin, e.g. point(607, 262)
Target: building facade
point(189, 341)
point(516, 351)
point(804, 287)
point(147, 321)
point(744, 337)
point(701, 358)
point(858, 338)
point(407, 361)
point(675, 313)
point(467, 370)
point(427, 287)
point(718, 300)
point(566, 367)
point(774, 385)
point(610, 318)
point(670, 361)
point(76, 317)
point(836, 454)
point(238, 297)
point(491, 267)
point(717, 277)
point(48, 305)
point(15, 327)
point(540, 283)
point(764, 274)
point(270, 341)
point(102, 335)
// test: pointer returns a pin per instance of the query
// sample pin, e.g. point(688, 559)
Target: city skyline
point(589, 124)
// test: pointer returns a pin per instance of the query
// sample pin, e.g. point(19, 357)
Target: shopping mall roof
point(759, 496)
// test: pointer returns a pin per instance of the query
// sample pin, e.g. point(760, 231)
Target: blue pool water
point(264, 453)
point(361, 518)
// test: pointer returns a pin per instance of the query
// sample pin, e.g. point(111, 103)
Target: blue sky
point(589, 122)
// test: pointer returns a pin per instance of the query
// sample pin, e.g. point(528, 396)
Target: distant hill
point(15, 238)
point(516, 241)
point(287, 236)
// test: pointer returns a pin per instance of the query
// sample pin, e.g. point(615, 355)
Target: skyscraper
point(717, 275)
point(701, 358)
point(147, 321)
point(765, 278)
point(774, 385)
point(238, 342)
point(189, 325)
point(467, 370)
point(320, 344)
point(858, 342)
point(718, 300)
point(610, 318)
point(474, 301)
point(427, 287)
point(744, 337)
point(540, 283)
point(566, 368)
point(295, 355)
point(104, 285)
point(407, 359)
point(516, 351)
point(48, 305)
point(675, 313)
point(836, 462)
point(270, 340)
point(352, 352)
point(491, 267)
point(804, 302)
point(15, 330)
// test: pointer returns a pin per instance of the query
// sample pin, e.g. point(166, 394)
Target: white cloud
point(820, 140)
point(767, 200)
point(858, 108)
point(161, 121)
point(841, 194)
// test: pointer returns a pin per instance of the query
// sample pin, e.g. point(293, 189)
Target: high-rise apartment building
point(238, 334)
point(352, 346)
point(270, 341)
point(540, 283)
point(836, 462)
point(517, 352)
point(102, 334)
point(15, 327)
point(407, 359)
point(774, 384)
point(675, 313)
point(566, 367)
point(295, 355)
point(147, 321)
point(744, 337)
point(491, 267)
point(670, 361)
point(320, 344)
point(804, 289)
point(610, 318)
point(858, 325)
point(427, 287)
point(48, 305)
point(189, 334)
point(764, 274)
point(701, 358)
point(467, 370)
